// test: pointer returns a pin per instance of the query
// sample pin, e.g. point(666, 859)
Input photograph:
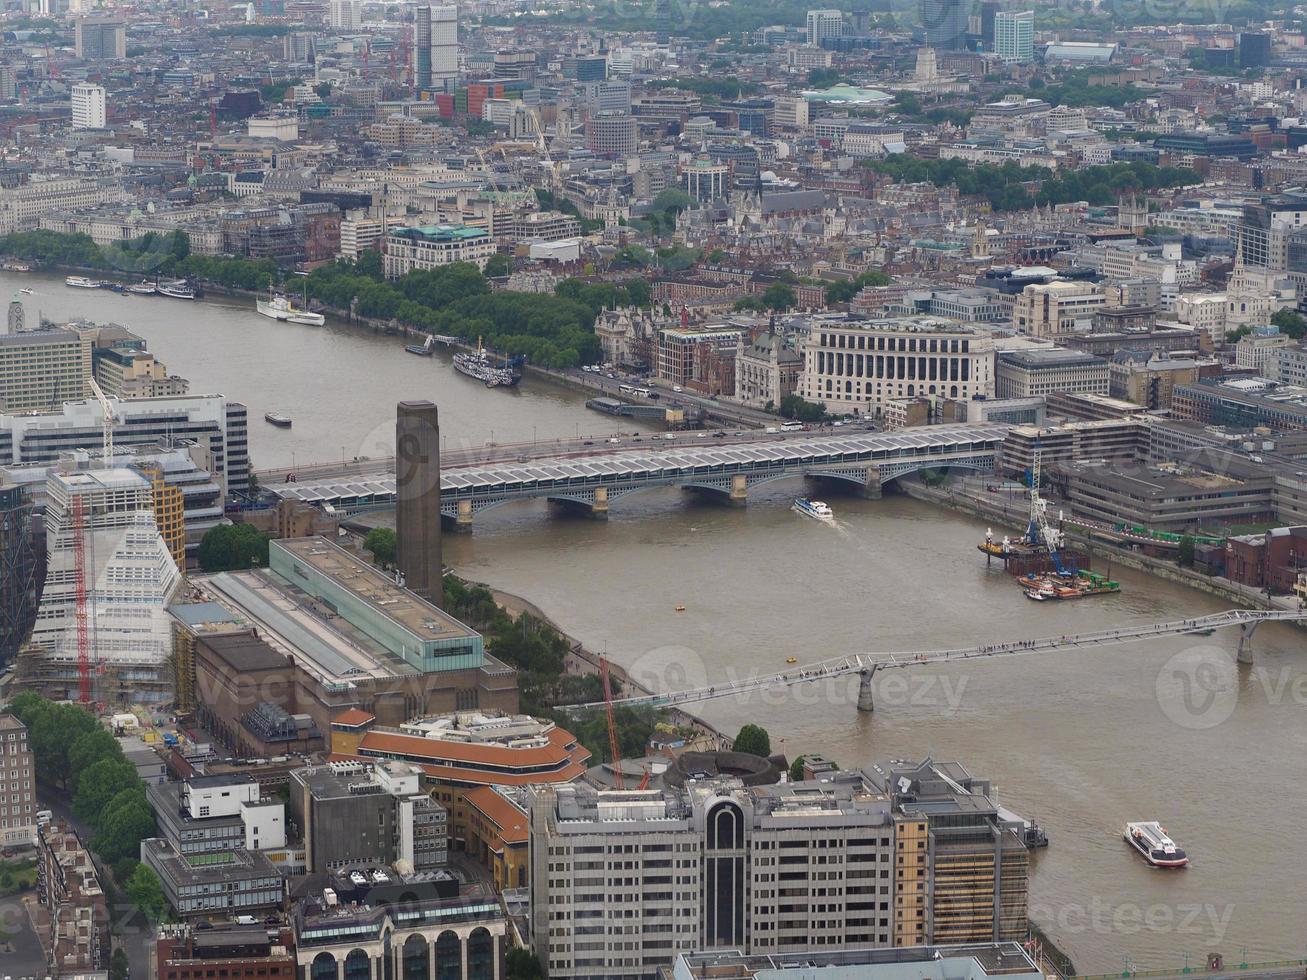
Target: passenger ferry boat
point(142, 289)
point(1149, 838)
point(81, 282)
point(280, 308)
point(814, 509)
point(478, 365)
point(178, 289)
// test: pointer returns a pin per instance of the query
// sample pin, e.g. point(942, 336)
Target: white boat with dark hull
point(279, 420)
point(1150, 839)
point(81, 282)
point(815, 509)
point(280, 308)
point(177, 289)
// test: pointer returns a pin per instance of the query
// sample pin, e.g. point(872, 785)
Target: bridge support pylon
point(461, 522)
point(865, 700)
point(1246, 631)
point(872, 490)
point(739, 490)
point(596, 509)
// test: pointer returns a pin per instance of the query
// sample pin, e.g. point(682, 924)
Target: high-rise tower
point(417, 498)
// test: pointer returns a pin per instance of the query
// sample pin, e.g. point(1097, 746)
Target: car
point(719, 435)
point(703, 435)
point(588, 442)
point(677, 388)
point(611, 375)
point(614, 440)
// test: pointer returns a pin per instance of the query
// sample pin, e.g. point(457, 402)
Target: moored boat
point(280, 308)
point(279, 420)
point(81, 282)
point(142, 289)
point(178, 289)
point(479, 365)
point(425, 349)
point(814, 509)
point(1150, 839)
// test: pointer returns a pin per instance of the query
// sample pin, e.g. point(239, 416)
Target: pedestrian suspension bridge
point(866, 664)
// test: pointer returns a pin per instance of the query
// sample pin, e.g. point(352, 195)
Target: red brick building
point(1272, 560)
point(232, 951)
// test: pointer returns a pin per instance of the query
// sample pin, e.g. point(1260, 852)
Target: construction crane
point(79, 579)
point(109, 419)
point(1039, 530)
point(613, 749)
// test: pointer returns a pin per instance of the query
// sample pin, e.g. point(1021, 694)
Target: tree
point(120, 968)
point(125, 821)
point(522, 964)
point(232, 546)
point(797, 408)
point(1185, 552)
point(754, 740)
point(323, 90)
point(1290, 323)
point(796, 769)
point(383, 545)
point(497, 266)
point(90, 748)
point(779, 296)
point(146, 893)
point(98, 784)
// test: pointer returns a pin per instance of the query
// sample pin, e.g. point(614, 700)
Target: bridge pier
point(865, 702)
point(598, 510)
point(872, 490)
point(462, 522)
point(739, 495)
point(1246, 631)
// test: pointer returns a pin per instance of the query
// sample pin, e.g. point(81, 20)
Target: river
point(1080, 741)
point(339, 382)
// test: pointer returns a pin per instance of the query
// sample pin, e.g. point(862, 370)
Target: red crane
point(79, 575)
point(613, 748)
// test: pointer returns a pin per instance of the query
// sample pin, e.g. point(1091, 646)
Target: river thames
point(1080, 741)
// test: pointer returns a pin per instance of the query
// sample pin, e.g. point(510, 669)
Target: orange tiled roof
point(504, 814)
point(353, 718)
point(416, 749)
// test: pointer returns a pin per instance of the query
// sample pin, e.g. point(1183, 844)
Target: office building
point(622, 882)
point(417, 499)
point(73, 904)
point(422, 47)
point(1057, 308)
point(591, 69)
point(705, 180)
point(823, 24)
point(857, 365)
point(40, 369)
point(612, 134)
point(462, 754)
point(1254, 49)
point(344, 15)
point(22, 206)
point(129, 579)
point(945, 23)
point(432, 246)
point(1044, 371)
point(354, 813)
point(1014, 35)
point(1148, 379)
point(1242, 403)
point(88, 106)
point(17, 785)
point(767, 369)
point(381, 939)
point(988, 12)
point(214, 425)
point(20, 568)
point(186, 952)
point(99, 39)
point(980, 961)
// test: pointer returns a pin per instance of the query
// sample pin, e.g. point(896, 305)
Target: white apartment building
point(88, 106)
point(856, 365)
point(358, 234)
point(434, 246)
point(344, 15)
point(41, 368)
point(444, 45)
point(1014, 35)
point(1260, 348)
point(130, 578)
point(1057, 308)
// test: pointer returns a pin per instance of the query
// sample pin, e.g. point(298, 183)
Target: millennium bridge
point(867, 664)
point(591, 481)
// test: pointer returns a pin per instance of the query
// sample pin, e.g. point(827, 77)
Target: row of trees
point(151, 255)
point(1008, 187)
point(228, 547)
point(553, 331)
point(81, 761)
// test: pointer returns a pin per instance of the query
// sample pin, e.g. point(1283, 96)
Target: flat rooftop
point(918, 962)
point(385, 597)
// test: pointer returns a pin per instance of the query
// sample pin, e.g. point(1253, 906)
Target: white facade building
point(444, 45)
point(823, 24)
point(1014, 35)
point(344, 15)
point(858, 366)
point(88, 106)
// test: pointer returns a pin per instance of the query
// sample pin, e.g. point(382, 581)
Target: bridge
point(591, 481)
point(867, 664)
